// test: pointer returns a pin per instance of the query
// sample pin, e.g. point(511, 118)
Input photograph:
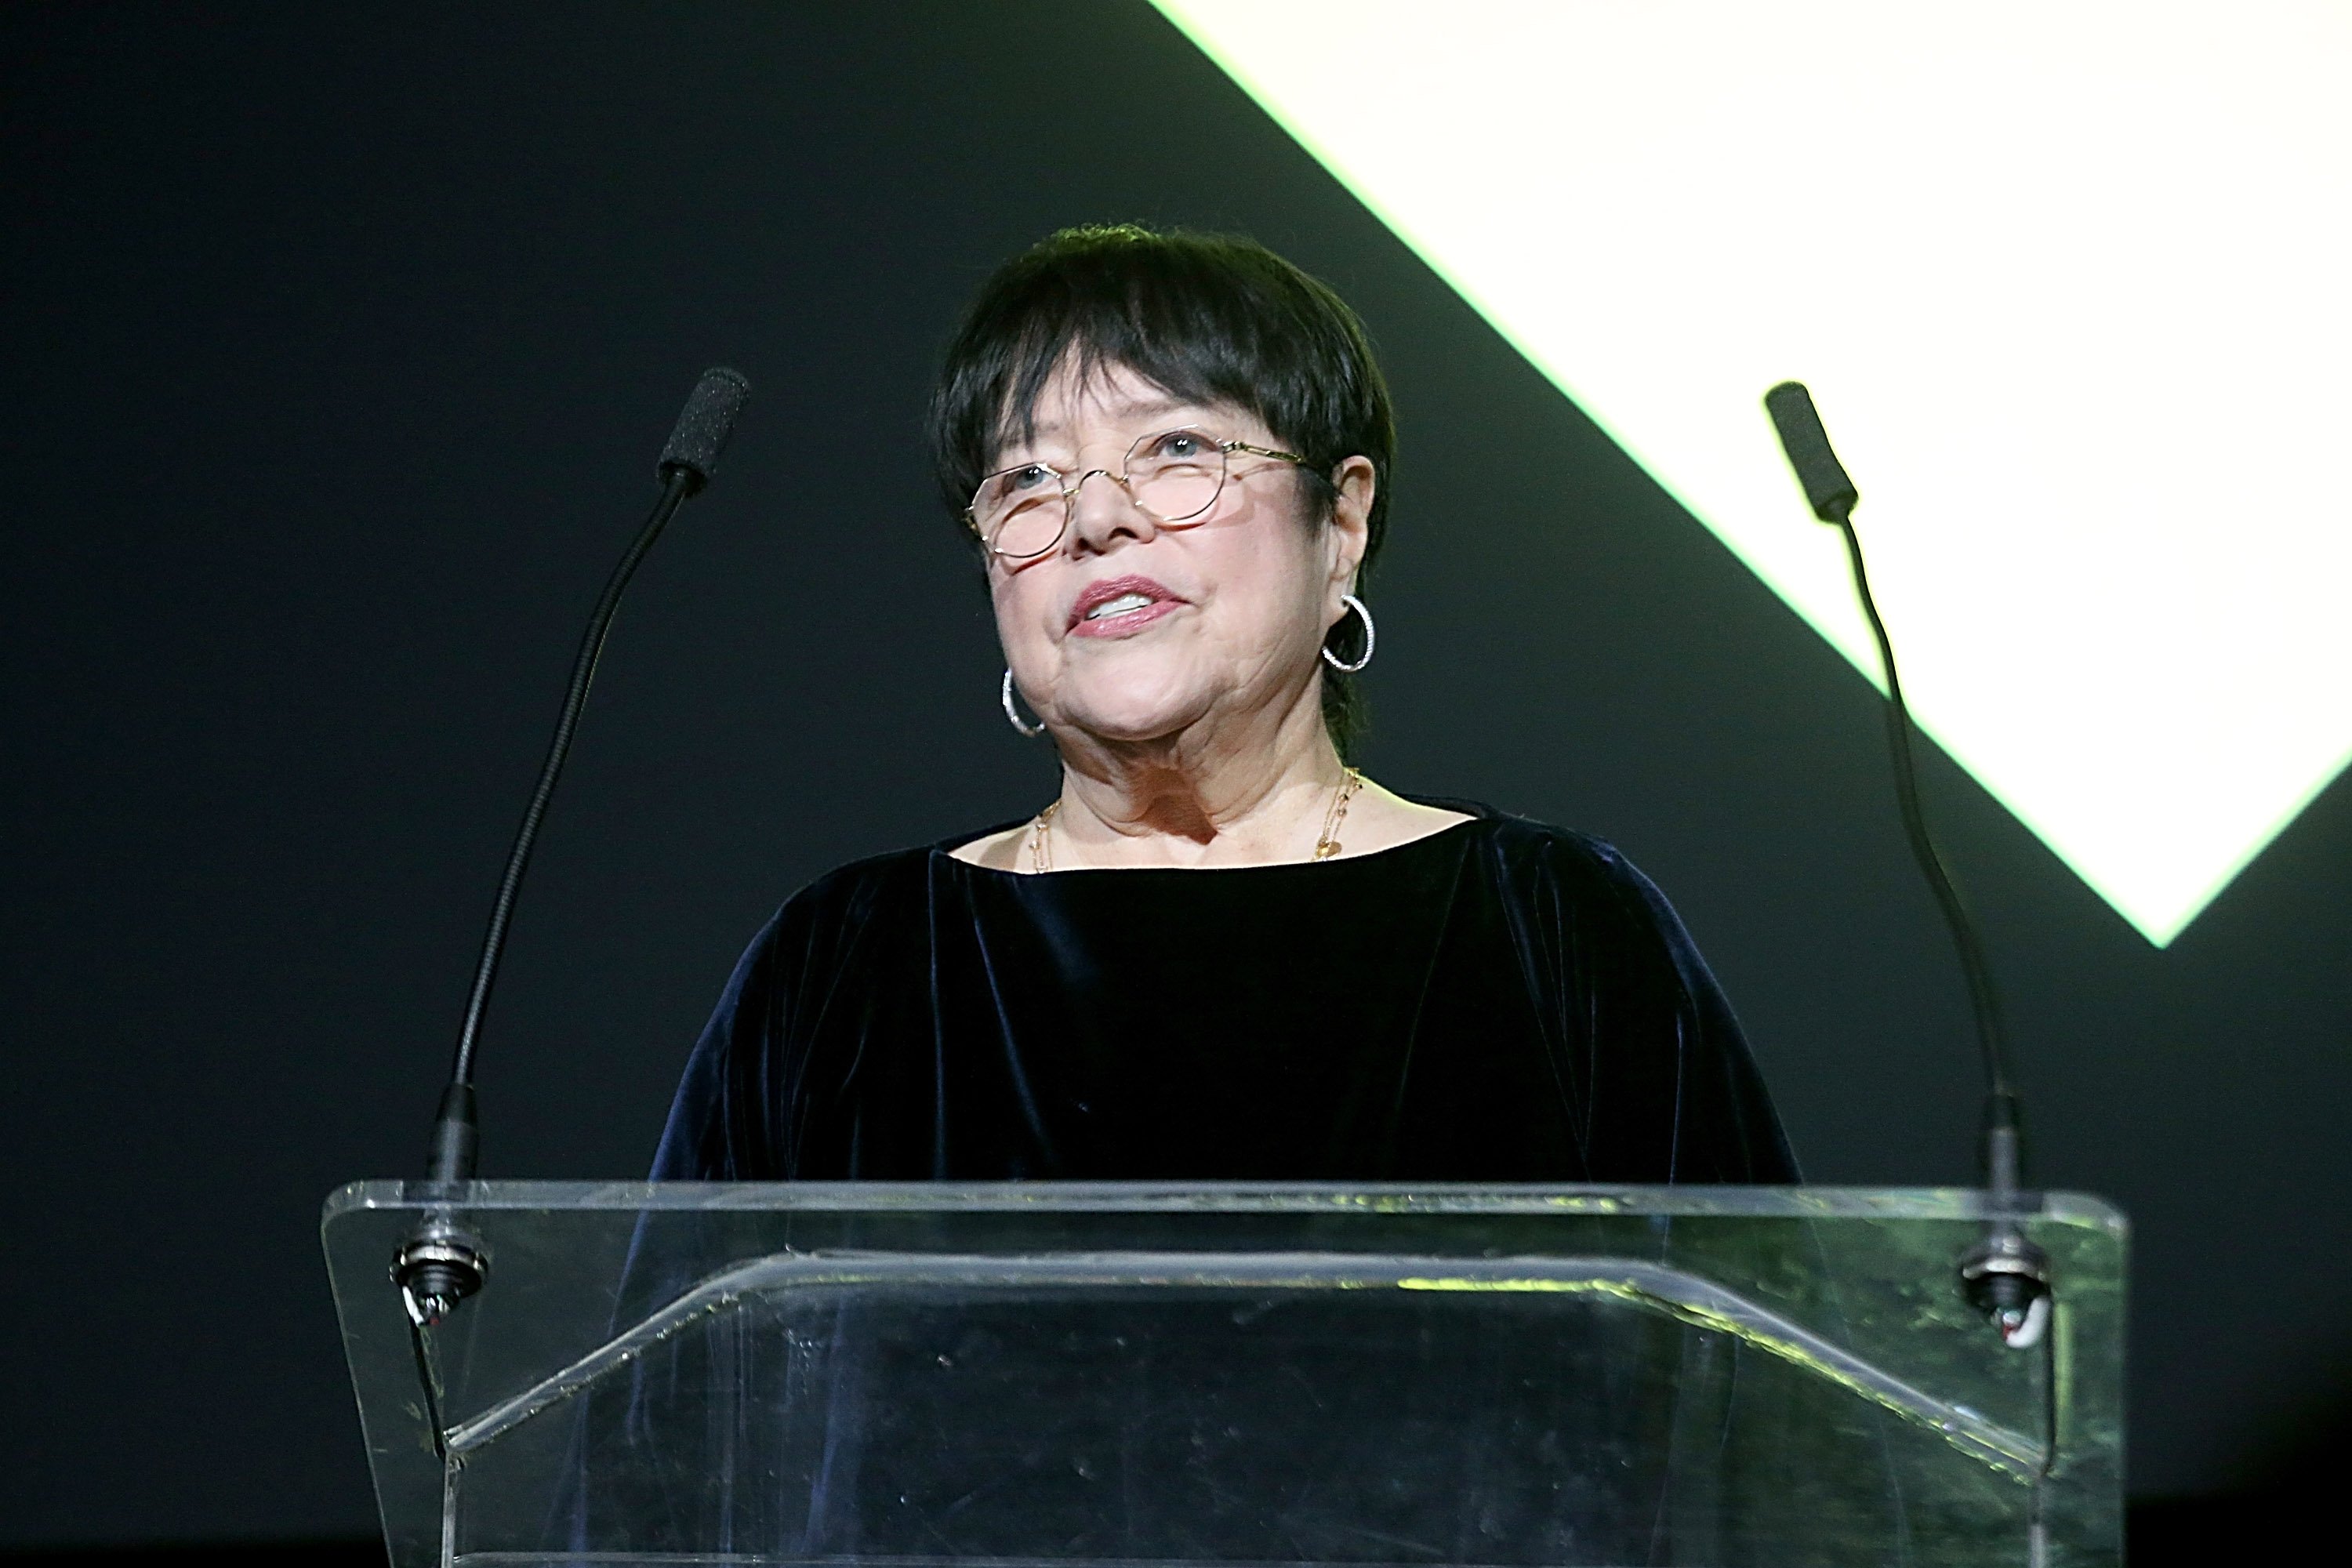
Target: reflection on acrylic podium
point(1063, 1374)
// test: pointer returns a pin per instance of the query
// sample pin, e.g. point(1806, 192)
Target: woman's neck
point(1230, 794)
point(1239, 792)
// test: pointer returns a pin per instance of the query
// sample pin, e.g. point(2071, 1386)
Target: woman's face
point(1133, 630)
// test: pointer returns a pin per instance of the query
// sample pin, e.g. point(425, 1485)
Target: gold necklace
point(1041, 857)
point(1041, 848)
point(1328, 845)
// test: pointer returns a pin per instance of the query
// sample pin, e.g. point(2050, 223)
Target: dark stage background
point(340, 343)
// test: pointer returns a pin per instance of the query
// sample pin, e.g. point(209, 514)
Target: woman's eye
point(1180, 445)
point(1028, 477)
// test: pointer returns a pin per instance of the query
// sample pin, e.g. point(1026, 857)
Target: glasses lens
point(1176, 474)
point(1021, 511)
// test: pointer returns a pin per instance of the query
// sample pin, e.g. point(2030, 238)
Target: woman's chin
point(1134, 715)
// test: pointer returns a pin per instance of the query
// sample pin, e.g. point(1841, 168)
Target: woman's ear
point(1353, 485)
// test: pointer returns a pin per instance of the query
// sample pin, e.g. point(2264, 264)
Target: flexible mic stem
point(441, 1265)
point(455, 1152)
point(2002, 1173)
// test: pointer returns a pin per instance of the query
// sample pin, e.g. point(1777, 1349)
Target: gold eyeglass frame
point(1069, 492)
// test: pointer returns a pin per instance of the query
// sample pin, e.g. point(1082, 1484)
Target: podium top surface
point(1247, 1197)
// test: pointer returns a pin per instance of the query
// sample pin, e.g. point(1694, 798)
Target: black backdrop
point(340, 342)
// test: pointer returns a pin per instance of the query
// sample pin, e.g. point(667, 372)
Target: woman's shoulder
point(1526, 843)
point(819, 928)
point(863, 881)
point(1568, 876)
point(874, 879)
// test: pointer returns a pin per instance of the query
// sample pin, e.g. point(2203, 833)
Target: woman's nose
point(1100, 513)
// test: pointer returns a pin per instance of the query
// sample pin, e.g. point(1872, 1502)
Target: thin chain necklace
point(1328, 844)
point(1041, 848)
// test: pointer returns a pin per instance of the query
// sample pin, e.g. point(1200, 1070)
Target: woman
point(1219, 952)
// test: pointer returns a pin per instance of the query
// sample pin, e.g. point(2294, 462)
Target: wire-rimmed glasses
point(1171, 477)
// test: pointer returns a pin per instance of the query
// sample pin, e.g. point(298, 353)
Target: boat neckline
point(945, 851)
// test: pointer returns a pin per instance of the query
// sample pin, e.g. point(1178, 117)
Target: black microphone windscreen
point(1831, 494)
point(703, 428)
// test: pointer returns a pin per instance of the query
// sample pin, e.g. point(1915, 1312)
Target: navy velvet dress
point(1500, 1001)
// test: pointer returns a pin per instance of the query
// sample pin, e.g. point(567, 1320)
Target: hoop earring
point(1370, 638)
point(1012, 714)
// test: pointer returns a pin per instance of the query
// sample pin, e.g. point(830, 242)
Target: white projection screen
point(2069, 283)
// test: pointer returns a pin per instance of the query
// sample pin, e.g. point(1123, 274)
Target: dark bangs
point(1204, 317)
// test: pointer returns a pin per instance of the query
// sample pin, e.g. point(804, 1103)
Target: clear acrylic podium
point(1058, 1373)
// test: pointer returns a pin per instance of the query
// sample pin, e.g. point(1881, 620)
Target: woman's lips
point(1120, 623)
point(1117, 606)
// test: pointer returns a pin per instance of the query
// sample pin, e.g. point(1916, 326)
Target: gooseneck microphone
point(441, 1265)
point(2007, 1276)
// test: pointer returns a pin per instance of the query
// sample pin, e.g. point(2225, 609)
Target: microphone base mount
point(2007, 1277)
point(437, 1268)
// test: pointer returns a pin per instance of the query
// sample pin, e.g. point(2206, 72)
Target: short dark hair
point(1205, 318)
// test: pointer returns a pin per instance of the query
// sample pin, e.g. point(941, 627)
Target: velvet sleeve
point(755, 1083)
point(718, 1130)
point(1662, 1079)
